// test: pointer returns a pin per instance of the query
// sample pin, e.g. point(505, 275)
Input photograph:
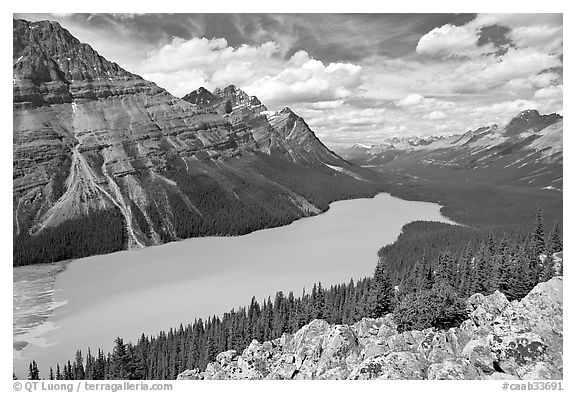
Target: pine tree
point(538, 244)
point(446, 272)
point(466, 271)
point(482, 273)
point(89, 366)
point(537, 247)
point(119, 360)
point(33, 372)
point(381, 294)
point(554, 240)
point(317, 301)
point(79, 366)
point(548, 271)
point(522, 279)
point(51, 375)
point(428, 279)
point(507, 269)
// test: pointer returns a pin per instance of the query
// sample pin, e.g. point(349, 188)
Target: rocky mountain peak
point(51, 66)
point(200, 96)
point(228, 90)
point(530, 120)
point(226, 100)
point(44, 51)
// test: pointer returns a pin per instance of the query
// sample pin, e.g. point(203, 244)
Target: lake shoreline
point(119, 295)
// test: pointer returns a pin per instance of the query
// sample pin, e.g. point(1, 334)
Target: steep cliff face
point(105, 160)
point(500, 340)
point(282, 133)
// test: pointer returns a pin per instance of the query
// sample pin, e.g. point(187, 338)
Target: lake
point(95, 299)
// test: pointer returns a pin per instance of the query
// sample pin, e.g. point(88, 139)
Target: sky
point(354, 78)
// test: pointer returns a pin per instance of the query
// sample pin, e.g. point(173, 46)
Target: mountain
point(105, 160)
point(527, 151)
point(500, 340)
point(281, 133)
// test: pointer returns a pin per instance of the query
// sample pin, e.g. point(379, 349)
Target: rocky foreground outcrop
point(500, 340)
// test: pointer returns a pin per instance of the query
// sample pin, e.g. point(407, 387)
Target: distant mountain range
point(105, 160)
point(527, 151)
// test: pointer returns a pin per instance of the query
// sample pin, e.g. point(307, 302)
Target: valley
point(156, 234)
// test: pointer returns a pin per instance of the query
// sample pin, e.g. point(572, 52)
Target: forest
point(430, 292)
point(76, 238)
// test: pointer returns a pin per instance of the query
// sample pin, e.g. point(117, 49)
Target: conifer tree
point(466, 271)
point(554, 240)
point(548, 271)
point(119, 360)
point(33, 372)
point(79, 366)
point(381, 293)
point(538, 244)
point(68, 371)
point(317, 301)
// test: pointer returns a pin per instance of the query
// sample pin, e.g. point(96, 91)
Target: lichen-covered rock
point(340, 350)
point(225, 358)
point(539, 371)
point(484, 309)
point(480, 355)
point(190, 375)
point(453, 369)
point(396, 365)
point(307, 342)
point(516, 351)
point(441, 349)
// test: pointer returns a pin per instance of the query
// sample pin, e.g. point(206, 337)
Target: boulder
point(225, 358)
point(453, 369)
point(339, 350)
point(190, 375)
point(307, 342)
point(540, 371)
point(484, 309)
point(479, 353)
point(396, 365)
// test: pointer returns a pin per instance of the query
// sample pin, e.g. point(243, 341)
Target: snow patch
point(344, 171)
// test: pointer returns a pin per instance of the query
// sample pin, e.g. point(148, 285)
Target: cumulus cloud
point(555, 92)
point(202, 52)
point(308, 80)
point(257, 69)
point(411, 99)
point(452, 40)
point(524, 31)
point(436, 115)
